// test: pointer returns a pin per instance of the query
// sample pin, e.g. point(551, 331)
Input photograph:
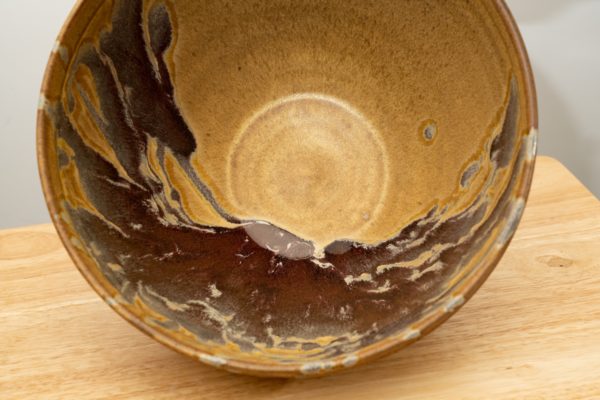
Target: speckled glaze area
point(287, 188)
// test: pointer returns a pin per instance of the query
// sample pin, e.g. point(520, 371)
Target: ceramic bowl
point(287, 187)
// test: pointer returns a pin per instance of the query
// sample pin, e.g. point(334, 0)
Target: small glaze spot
point(412, 334)
point(468, 175)
point(531, 144)
point(328, 365)
point(430, 131)
point(76, 243)
point(316, 367)
point(213, 360)
point(323, 265)
point(42, 102)
point(383, 288)
point(111, 301)
point(311, 368)
point(65, 217)
point(345, 312)
point(349, 361)
point(512, 222)
point(214, 292)
point(454, 303)
point(95, 249)
point(365, 277)
point(115, 267)
point(62, 51)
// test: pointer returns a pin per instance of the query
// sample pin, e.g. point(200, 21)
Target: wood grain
point(532, 331)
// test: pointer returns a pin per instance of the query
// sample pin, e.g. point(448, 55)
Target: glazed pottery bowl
point(287, 188)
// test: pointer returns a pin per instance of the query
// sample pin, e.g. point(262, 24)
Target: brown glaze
point(289, 187)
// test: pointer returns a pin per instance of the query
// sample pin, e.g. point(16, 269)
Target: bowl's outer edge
point(51, 185)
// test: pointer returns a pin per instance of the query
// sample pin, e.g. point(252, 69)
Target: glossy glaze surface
point(287, 187)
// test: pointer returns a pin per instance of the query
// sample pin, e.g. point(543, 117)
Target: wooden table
point(532, 331)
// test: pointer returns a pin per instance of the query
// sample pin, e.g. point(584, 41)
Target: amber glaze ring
point(287, 188)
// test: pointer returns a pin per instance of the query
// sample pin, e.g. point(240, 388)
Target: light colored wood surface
point(532, 331)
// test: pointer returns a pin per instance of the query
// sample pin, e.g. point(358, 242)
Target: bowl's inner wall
point(298, 179)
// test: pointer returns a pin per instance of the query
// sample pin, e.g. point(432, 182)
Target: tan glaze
point(290, 187)
point(309, 154)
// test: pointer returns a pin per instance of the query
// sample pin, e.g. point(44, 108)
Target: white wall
point(563, 38)
point(28, 29)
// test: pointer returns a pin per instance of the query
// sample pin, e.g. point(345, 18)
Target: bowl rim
point(443, 311)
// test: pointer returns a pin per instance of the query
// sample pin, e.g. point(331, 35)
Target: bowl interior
point(284, 187)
